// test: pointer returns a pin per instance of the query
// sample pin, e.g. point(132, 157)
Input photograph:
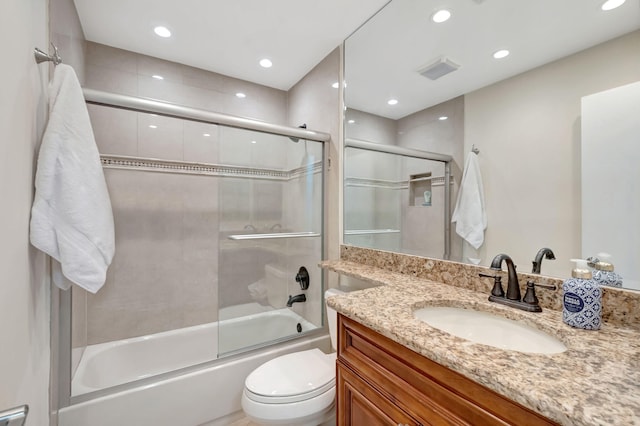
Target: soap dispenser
point(604, 274)
point(582, 299)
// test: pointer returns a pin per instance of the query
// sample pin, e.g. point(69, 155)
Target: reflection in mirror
point(523, 111)
point(385, 193)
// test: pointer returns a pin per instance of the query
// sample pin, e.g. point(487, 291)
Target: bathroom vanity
point(380, 382)
point(394, 368)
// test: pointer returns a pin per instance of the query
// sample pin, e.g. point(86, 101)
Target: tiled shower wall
point(165, 274)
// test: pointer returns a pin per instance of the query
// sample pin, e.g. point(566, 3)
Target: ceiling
point(229, 36)
point(382, 58)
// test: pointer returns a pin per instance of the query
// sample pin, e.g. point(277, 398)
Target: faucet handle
point(530, 295)
point(497, 284)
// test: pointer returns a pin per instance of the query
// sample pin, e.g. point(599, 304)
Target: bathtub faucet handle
point(302, 278)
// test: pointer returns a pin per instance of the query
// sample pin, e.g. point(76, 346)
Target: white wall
point(24, 291)
point(528, 131)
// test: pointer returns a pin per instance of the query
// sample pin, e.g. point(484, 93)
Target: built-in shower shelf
point(273, 236)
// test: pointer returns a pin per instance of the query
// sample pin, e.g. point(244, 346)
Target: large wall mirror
point(415, 83)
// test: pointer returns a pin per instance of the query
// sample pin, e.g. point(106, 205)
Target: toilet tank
point(332, 317)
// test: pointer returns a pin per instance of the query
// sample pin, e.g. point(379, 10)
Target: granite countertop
point(595, 382)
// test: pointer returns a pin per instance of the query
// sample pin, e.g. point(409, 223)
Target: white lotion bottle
point(582, 298)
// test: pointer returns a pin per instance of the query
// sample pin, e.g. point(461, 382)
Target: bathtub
point(198, 395)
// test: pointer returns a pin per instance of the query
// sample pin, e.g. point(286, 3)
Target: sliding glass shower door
point(270, 227)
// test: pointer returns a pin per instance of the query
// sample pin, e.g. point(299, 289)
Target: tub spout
point(295, 299)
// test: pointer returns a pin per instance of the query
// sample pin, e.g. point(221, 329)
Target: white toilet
point(295, 389)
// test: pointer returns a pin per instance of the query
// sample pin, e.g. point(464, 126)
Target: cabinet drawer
point(425, 390)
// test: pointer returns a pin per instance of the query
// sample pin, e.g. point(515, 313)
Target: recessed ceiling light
point(351, 121)
point(265, 63)
point(153, 126)
point(612, 4)
point(442, 118)
point(254, 142)
point(206, 135)
point(335, 85)
point(241, 95)
point(158, 77)
point(162, 31)
point(501, 54)
point(441, 16)
point(392, 101)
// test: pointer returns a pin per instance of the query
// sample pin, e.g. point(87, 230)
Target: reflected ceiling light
point(153, 126)
point(441, 16)
point(162, 31)
point(241, 95)
point(351, 121)
point(254, 142)
point(442, 118)
point(611, 4)
point(158, 77)
point(335, 85)
point(206, 135)
point(265, 63)
point(392, 101)
point(501, 54)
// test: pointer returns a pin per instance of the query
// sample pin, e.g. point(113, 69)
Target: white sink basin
point(491, 330)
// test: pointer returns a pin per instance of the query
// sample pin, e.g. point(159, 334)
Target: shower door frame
point(137, 104)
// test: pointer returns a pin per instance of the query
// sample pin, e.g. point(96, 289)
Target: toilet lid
point(292, 377)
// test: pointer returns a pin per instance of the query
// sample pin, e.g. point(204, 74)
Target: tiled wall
point(170, 269)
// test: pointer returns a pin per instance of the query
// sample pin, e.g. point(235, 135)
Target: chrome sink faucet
point(528, 303)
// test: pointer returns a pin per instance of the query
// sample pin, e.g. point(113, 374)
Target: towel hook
point(42, 56)
point(474, 149)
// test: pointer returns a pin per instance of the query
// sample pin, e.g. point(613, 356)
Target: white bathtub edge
point(190, 399)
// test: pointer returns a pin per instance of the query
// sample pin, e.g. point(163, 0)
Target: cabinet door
point(361, 405)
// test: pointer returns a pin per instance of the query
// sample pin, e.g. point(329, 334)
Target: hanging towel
point(469, 214)
point(71, 217)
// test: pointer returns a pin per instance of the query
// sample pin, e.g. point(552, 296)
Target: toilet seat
point(292, 378)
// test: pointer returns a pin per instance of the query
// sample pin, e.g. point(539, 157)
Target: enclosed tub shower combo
point(219, 231)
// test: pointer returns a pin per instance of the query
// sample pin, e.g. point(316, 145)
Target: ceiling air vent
point(437, 69)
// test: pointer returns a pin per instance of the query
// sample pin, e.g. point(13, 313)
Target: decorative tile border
point(621, 307)
point(184, 167)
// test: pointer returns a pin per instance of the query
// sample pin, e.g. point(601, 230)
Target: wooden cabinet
point(380, 382)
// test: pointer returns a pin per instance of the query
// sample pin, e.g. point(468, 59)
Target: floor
point(244, 422)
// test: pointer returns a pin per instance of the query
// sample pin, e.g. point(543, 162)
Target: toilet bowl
point(295, 389)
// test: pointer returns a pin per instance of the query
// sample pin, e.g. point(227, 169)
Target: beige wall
point(315, 102)
point(24, 289)
point(528, 131)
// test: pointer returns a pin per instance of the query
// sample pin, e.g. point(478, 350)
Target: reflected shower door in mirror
point(522, 111)
point(387, 194)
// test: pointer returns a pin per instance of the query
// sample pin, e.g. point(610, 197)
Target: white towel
point(470, 215)
point(71, 217)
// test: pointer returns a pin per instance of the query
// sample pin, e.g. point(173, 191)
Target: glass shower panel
point(162, 179)
point(270, 226)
